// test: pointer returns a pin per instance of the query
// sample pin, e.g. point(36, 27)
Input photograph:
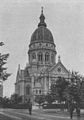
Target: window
point(52, 58)
point(52, 46)
point(19, 89)
point(28, 90)
point(33, 56)
point(40, 44)
point(46, 44)
point(59, 69)
point(33, 45)
point(39, 91)
point(36, 91)
point(46, 57)
point(40, 57)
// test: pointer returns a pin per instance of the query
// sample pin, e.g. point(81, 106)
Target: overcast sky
point(19, 19)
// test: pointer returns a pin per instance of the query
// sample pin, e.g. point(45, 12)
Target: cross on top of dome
point(42, 19)
point(59, 59)
point(42, 33)
point(42, 10)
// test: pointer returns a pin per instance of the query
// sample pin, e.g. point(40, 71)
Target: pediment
point(59, 69)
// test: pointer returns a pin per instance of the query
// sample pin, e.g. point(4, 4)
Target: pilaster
point(45, 85)
point(32, 83)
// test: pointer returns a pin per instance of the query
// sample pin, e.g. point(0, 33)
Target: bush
point(55, 106)
point(40, 99)
point(16, 106)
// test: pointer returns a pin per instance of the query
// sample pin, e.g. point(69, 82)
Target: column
point(43, 58)
point(32, 83)
point(50, 58)
point(45, 85)
point(49, 83)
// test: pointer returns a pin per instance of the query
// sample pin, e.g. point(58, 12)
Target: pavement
point(37, 114)
point(52, 110)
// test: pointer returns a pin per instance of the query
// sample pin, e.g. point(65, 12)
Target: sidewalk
point(53, 110)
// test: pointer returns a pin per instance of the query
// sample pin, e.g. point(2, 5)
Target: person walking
point(78, 111)
point(71, 109)
point(30, 106)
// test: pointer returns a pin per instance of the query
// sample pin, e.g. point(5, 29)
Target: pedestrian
point(71, 112)
point(30, 106)
point(71, 109)
point(78, 112)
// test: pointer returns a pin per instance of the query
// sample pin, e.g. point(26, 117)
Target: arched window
point(47, 44)
point(40, 57)
point(28, 90)
point(33, 56)
point(52, 58)
point(39, 91)
point(19, 89)
point(36, 91)
point(47, 57)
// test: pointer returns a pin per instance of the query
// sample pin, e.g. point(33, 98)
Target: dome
point(42, 33)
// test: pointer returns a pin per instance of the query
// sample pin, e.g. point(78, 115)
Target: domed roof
point(42, 33)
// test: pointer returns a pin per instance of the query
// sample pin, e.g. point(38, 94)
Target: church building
point(43, 68)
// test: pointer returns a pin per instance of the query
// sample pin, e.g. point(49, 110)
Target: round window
point(59, 69)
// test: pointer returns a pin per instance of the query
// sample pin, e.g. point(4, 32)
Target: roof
point(59, 64)
point(26, 72)
point(22, 74)
point(42, 33)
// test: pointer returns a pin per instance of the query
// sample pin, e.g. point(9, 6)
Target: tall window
point(47, 57)
point(19, 89)
point(40, 57)
point(33, 56)
point(28, 90)
point(39, 91)
point(52, 58)
point(36, 91)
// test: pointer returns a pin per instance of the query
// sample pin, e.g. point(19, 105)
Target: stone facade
point(42, 69)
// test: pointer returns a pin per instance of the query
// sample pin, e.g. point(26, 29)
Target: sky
point(19, 19)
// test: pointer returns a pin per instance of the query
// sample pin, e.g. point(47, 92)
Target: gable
point(59, 69)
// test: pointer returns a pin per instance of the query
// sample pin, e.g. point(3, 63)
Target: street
point(21, 114)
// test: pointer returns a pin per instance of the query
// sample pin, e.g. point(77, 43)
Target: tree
point(73, 91)
point(57, 89)
point(3, 60)
point(5, 102)
point(40, 99)
point(15, 99)
point(82, 93)
point(76, 86)
point(50, 98)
